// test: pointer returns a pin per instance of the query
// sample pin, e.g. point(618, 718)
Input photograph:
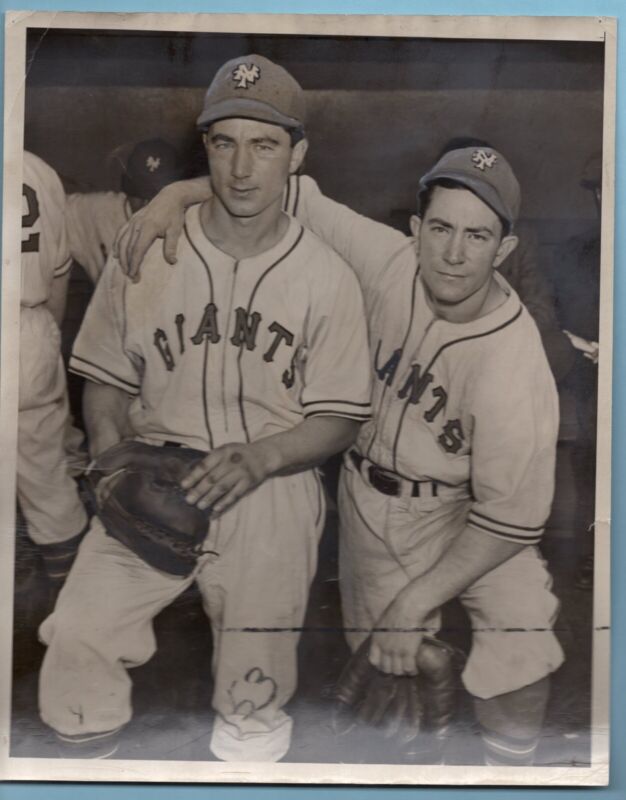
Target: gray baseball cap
point(483, 171)
point(253, 87)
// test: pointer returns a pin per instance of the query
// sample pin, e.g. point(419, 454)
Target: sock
point(59, 557)
point(501, 750)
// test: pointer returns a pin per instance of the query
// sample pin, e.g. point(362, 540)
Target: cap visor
point(245, 109)
point(483, 190)
point(145, 187)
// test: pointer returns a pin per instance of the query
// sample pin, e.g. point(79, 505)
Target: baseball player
point(47, 494)
point(94, 218)
point(257, 354)
point(524, 270)
point(449, 486)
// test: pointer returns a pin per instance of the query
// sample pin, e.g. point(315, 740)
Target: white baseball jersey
point(45, 253)
point(472, 403)
point(93, 220)
point(48, 496)
point(230, 351)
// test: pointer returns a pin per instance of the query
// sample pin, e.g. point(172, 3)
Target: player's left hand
point(396, 638)
point(227, 474)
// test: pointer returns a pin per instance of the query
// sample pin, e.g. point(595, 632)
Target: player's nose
point(455, 249)
point(241, 166)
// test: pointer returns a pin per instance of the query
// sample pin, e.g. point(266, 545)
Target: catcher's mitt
point(401, 706)
point(142, 504)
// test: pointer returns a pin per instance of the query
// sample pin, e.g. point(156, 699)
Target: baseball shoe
point(89, 745)
point(427, 749)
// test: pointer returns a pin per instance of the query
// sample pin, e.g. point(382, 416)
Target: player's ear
point(507, 245)
point(415, 223)
point(298, 152)
point(205, 139)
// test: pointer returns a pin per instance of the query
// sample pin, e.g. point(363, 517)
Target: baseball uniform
point(93, 220)
point(217, 351)
point(464, 427)
point(47, 495)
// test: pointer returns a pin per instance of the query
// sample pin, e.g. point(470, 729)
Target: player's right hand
point(162, 218)
point(396, 638)
point(589, 349)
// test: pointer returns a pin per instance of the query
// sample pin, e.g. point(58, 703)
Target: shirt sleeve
point(513, 454)
point(63, 260)
point(100, 353)
point(93, 220)
point(55, 207)
point(366, 245)
point(337, 369)
point(45, 252)
point(63, 269)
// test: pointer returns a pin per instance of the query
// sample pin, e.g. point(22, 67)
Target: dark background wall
point(380, 109)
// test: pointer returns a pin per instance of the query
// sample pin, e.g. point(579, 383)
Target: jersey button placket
point(397, 406)
point(228, 352)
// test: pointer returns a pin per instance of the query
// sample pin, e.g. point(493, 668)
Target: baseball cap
point(483, 171)
point(151, 165)
point(253, 87)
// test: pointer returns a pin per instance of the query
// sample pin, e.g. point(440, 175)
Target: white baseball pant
point(47, 494)
point(255, 594)
point(385, 542)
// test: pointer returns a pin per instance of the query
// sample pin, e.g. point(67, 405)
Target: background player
point(257, 353)
point(449, 486)
point(94, 218)
point(578, 308)
point(47, 495)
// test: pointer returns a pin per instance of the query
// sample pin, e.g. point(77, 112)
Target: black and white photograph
point(305, 399)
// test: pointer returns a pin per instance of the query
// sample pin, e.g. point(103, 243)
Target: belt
point(387, 482)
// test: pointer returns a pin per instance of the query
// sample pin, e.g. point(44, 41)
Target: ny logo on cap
point(245, 75)
point(482, 159)
point(153, 163)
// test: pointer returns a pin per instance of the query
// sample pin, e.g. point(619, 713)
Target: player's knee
point(434, 660)
point(67, 627)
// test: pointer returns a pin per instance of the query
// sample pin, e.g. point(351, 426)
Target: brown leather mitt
point(142, 504)
point(401, 706)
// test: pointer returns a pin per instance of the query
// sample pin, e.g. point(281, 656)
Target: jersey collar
point(275, 253)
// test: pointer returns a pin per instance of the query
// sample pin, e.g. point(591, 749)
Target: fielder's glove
point(142, 504)
point(401, 706)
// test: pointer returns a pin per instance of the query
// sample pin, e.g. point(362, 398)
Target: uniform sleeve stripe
point(98, 368)
point(512, 537)
point(343, 409)
point(346, 414)
point(95, 379)
point(72, 368)
point(505, 524)
point(63, 268)
point(337, 402)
